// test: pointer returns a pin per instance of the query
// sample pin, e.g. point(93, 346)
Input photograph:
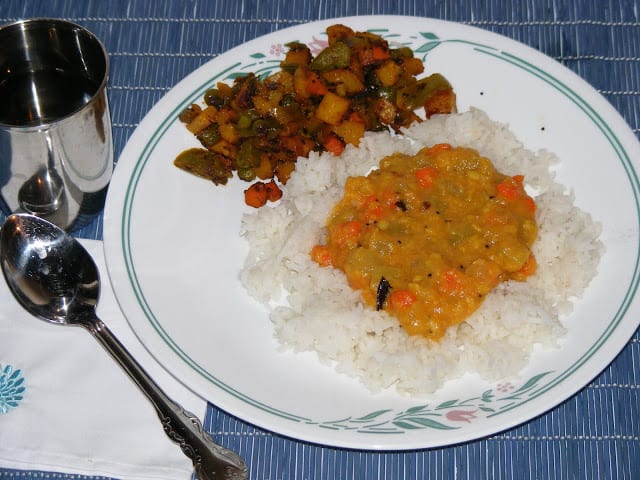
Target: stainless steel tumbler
point(56, 148)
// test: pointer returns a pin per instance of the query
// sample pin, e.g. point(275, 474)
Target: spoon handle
point(210, 461)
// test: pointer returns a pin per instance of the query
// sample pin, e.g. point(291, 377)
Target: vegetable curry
point(427, 237)
point(258, 127)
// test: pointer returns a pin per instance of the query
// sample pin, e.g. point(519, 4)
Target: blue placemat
point(152, 45)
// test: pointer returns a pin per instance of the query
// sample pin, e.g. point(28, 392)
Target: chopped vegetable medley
point(258, 127)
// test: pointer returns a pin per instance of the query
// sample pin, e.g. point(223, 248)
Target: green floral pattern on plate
point(445, 415)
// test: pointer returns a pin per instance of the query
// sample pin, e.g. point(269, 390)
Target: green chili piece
point(248, 156)
point(205, 164)
point(214, 97)
point(335, 56)
point(402, 52)
point(246, 174)
point(209, 136)
point(265, 127)
point(414, 96)
point(389, 93)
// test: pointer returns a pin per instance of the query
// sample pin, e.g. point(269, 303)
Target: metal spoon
point(55, 279)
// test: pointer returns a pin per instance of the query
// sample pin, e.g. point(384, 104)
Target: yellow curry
point(427, 237)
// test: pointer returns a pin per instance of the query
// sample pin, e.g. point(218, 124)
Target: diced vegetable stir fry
point(258, 128)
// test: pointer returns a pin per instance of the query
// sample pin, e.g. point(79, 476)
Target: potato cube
point(389, 73)
point(332, 108)
point(350, 131)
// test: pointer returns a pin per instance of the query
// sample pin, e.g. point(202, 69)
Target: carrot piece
point(380, 53)
point(390, 199)
point(315, 85)
point(508, 189)
point(352, 229)
point(373, 212)
point(273, 191)
point(401, 299)
point(256, 195)
point(334, 145)
point(372, 209)
point(531, 204)
point(511, 188)
point(347, 233)
point(321, 255)
point(450, 281)
point(374, 54)
point(426, 176)
point(356, 117)
point(437, 148)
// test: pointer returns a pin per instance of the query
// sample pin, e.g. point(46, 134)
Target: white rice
point(314, 309)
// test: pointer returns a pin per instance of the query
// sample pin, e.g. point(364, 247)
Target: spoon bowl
point(50, 273)
point(54, 278)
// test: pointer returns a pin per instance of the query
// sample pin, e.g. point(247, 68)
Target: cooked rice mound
point(314, 309)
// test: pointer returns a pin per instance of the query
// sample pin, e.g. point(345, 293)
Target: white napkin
point(80, 413)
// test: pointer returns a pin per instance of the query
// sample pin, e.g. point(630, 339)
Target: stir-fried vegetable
point(258, 128)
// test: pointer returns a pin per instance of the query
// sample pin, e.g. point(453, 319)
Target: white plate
point(174, 252)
